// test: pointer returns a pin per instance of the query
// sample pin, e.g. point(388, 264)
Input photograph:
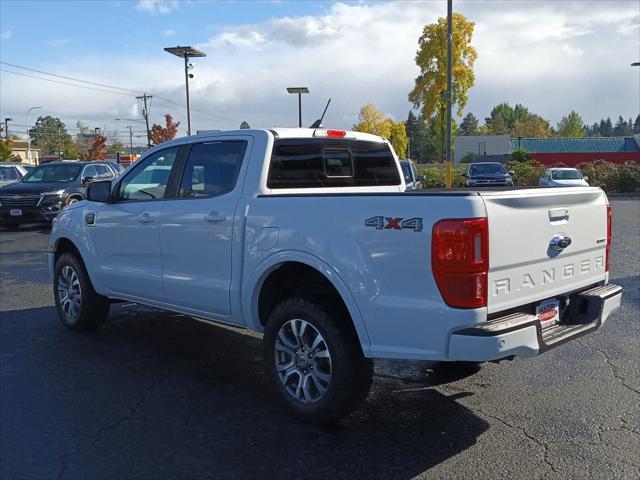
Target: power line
point(69, 78)
point(123, 89)
point(63, 83)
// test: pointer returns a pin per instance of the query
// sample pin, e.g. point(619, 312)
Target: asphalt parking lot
point(159, 395)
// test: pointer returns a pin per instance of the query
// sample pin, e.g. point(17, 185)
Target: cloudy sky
point(551, 56)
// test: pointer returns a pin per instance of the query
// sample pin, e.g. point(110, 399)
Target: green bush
point(521, 155)
point(526, 173)
point(628, 179)
point(468, 158)
point(434, 177)
point(612, 177)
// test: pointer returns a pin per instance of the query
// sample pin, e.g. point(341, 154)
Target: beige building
point(20, 149)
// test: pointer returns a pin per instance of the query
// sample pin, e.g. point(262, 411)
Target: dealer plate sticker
point(15, 212)
point(548, 312)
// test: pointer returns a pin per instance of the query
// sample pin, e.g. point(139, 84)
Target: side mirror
point(87, 179)
point(464, 174)
point(585, 178)
point(99, 191)
point(422, 178)
point(511, 172)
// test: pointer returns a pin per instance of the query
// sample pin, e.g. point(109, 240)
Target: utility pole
point(6, 128)
point(130, 143)
point(145, 114)
point(449, 62)
point(59, 151)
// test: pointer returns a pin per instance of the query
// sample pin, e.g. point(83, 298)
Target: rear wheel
point(315, 361)
point(79, 307)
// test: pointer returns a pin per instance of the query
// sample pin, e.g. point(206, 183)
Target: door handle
point(145, 218)
point(215, 217)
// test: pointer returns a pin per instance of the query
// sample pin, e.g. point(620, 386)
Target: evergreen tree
point(469, 125)
point(636, 125)
point(606, 127)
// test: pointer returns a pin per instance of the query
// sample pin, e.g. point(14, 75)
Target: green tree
point(371, 120)
point(421, 149)
point(6, 151)
point(636, 125)
point(469, 125)
point(115, 147)
point(431, 58)
point(533, 127)
point(571, 126)
point(50, 135)
point(622, 128)
point(504, 118)
point(244, 125)
point(606, 127)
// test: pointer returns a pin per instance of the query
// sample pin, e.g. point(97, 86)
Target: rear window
point(318, 163)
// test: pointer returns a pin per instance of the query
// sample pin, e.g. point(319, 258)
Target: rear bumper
point(520, 334)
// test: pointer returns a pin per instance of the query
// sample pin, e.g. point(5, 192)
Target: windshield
point(487, 169)
point(566, 175)
point(406, 171)
point(53, 173)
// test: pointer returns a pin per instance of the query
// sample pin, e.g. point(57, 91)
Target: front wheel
point(315, 361)
point(79, 307)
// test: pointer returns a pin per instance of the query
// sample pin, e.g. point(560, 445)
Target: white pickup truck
point(308, 236)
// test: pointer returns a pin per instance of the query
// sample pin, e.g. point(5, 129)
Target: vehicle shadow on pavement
point(159, 395)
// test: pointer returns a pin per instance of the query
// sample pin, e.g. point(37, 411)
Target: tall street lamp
point(130, 132)
point(186, 53)
point(299, 91)
point(29, 136)
point(6, 128)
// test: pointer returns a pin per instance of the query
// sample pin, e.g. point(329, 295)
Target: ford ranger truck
point(308, 237)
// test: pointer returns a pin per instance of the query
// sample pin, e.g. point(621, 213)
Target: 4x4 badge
point(391, 223)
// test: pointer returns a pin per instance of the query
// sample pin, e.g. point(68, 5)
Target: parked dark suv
point(488, 174)
point(41, 193)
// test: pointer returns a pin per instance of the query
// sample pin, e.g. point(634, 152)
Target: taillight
point(608, 249)
point(460, 261)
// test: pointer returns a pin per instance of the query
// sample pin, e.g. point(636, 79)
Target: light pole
point(130, 132)
point(29, 136)
point(299, 91)
point(186, 53)
point(6, 128)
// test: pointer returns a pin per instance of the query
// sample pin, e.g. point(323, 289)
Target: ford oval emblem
point(560, 242)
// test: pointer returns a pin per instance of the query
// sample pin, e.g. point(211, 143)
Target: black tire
point(351, 373)
point(91, 309)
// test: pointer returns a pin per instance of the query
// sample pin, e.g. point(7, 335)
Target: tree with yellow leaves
point(431, 84)
point(371, 120)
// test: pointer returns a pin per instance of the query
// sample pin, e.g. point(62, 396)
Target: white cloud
point(157, 6)
point(553, 57)
point(6, 34)
point(168, 33)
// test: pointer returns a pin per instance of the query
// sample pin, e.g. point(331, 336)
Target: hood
point(35, 187)
point(570, 183)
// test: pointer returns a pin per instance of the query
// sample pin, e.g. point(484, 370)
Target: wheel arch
point(315, 272)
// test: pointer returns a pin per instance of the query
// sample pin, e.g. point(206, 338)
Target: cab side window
point(212, 168)
point(89, 172)
point(103, 172)
point(149, 179)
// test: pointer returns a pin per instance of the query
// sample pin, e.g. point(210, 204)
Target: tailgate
point(523, 265)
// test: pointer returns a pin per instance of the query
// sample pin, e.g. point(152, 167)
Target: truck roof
point(284, 132)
